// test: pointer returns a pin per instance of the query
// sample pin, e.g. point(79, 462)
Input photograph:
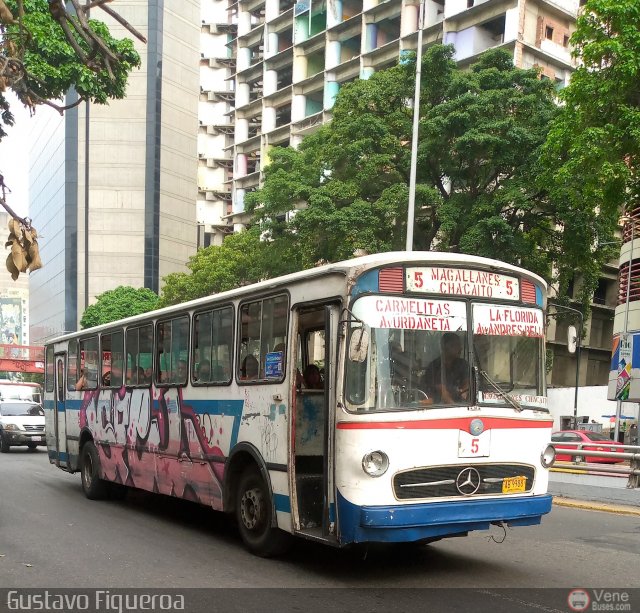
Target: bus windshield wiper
point(510, 399)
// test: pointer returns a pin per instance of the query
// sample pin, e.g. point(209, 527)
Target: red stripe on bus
point(458, 423)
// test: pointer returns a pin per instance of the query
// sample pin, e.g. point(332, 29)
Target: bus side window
point(263, 339)
point(212, 340)
point(173, 351)
point(89, 361)
point(139, 355)
point(72, 365)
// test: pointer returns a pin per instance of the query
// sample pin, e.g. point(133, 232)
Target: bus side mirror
point(359, 345)
point(572, 339)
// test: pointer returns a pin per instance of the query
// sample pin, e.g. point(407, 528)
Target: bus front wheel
point(93, 486)
point(254, 512)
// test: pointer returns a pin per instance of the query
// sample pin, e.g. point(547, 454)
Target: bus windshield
point(408, 353)
point(416, 354)
point(508, 344)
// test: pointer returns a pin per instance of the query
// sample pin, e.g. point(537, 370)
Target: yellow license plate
point(514, 484)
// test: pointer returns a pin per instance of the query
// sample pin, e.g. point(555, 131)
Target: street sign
point(623, 382)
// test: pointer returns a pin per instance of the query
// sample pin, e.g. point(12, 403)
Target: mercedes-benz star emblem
point(468, 481)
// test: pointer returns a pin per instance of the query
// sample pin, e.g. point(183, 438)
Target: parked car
point(21, 423)
point(599, 441)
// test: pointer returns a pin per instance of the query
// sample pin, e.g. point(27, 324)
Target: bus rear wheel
point(93, 486)
point(254, 512)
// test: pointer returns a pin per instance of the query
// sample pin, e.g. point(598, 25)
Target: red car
point(600, 442)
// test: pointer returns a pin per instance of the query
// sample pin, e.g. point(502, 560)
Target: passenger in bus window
point(181, 372)
point(82, 381)
point(249, 368)
point(204, 371)
point(311, 378)
point(447, 377)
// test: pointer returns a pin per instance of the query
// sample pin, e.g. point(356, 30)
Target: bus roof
point(353, 266)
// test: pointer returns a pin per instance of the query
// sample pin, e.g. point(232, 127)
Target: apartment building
point(113, 188)
point(270, 71)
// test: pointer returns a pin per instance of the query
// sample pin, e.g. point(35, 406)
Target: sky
point(14, 158)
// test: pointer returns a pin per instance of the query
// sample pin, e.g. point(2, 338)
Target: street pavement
point(594, 491)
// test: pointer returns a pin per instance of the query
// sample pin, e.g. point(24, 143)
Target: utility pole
point(414, 139)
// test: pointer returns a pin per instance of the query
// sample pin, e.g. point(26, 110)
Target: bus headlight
point(548, 456)
point(375, 463)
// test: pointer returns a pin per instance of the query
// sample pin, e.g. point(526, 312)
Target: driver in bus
point(447, 377)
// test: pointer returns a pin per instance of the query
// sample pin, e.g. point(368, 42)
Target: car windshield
point(508, 345)
point(11, 409)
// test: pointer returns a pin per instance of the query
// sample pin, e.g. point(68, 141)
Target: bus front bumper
point(433, 520)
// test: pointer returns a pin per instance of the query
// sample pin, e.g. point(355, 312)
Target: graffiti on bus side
point(142, 432)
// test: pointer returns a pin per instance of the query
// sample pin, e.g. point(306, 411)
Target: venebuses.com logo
point(580, 600)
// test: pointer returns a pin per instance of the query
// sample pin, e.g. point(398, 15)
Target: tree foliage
point(238, 261)
point(481, 131)
point(123, 301)
point(592, 156)
point(47, 48)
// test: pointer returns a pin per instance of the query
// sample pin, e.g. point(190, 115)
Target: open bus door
point(312, 486)
point(59, 413)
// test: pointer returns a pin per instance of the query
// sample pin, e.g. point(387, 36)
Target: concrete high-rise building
point(271, 71)
point(113, 188)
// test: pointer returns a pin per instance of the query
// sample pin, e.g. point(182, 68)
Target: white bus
point(429, 417)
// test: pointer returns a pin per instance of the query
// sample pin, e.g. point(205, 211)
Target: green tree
point(241, 259)
point(480, 135)
point(592, 156)
point(123, 301)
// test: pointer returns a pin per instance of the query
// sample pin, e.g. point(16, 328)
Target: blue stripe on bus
point(367, 282)
point(400, 523)
point(62, 456)
point(232, 408)
point(282, 503)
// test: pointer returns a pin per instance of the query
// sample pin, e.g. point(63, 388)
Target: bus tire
point(254, 512)
point(93, 486)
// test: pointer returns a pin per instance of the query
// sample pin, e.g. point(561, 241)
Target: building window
point(470, 3)
point(600, 293)
point(548, 33)
point(565, 40)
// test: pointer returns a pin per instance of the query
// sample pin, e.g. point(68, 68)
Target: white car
point(21, 423)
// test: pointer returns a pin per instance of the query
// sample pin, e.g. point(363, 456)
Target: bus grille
point(440, 481)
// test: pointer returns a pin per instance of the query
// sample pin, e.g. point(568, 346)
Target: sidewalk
point(598, 492)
